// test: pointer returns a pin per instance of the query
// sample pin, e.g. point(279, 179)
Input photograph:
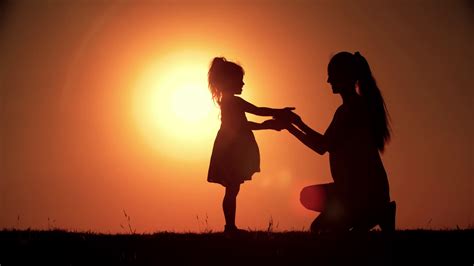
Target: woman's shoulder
point(341, 111)
point(354, 107)
point(349, 113)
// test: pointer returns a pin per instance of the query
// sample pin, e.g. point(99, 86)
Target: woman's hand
point(288, 115)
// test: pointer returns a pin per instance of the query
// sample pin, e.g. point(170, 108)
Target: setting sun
point(105, 109)
point(172, 100)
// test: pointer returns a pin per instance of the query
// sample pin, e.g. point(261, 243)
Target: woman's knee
point(304, 195)
point(313, 197)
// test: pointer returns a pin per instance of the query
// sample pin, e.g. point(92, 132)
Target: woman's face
point(339, 79)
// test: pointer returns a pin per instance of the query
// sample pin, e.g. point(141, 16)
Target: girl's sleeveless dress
point(235, 155)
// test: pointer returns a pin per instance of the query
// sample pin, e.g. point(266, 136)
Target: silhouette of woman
point(358, 199)
point(235, 155)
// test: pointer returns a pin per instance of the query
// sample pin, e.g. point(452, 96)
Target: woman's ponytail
point(377, 109)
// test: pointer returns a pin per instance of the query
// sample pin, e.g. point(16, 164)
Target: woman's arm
point(314, 140)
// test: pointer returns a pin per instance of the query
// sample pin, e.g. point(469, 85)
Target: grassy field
point(56, 247)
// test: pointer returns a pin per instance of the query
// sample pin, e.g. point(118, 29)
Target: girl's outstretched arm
point(268, 124)
point(261, 111)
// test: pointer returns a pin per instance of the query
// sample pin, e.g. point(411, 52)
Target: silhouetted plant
point(203, 225)
point(51, 224)
point(127, 217)
point(270, 225)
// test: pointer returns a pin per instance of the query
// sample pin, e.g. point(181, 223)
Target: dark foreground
point(289, 248)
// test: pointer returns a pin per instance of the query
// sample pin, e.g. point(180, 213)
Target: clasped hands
point(282, 119)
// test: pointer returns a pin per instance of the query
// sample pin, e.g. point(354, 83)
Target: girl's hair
point(220, 72)
point(356, 67)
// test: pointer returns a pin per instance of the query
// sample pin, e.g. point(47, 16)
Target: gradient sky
point(78, 146)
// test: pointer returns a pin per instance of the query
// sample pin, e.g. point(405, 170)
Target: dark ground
point(414, 247)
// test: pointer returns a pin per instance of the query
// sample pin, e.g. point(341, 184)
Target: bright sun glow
point(173, 106)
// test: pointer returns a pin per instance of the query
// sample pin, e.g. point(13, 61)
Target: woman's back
point(355, 163)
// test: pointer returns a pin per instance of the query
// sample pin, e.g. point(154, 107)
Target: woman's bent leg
point(315, 197)
point(324, 199)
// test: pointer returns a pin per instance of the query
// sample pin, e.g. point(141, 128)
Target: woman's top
point(355, 162)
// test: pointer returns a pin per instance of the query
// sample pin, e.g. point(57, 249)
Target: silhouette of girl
point(235, 155)
point(358, 199)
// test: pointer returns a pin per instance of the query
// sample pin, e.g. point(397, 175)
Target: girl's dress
point(235, 155)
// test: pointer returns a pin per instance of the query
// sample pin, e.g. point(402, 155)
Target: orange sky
point(76, 151)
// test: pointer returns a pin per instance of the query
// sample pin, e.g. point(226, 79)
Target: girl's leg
point(229, 205)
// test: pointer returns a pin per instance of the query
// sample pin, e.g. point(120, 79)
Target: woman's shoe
point(387, 221)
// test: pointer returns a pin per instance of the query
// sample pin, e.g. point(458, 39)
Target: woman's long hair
point(377, 109)
point(357, 68)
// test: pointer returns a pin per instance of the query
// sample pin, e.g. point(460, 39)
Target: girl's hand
point(283, 112)
point(275, 124)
